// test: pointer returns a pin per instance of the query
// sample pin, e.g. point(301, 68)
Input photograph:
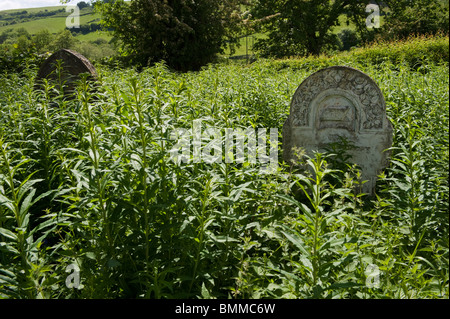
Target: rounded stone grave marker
point(73, 64)
point(341, 102)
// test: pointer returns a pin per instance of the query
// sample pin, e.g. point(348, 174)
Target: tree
point(186, 34)
point(63, 40)
point(42, 39)
point(22, 32)
point(406, 17)
point(300, 27)
point(82, 5)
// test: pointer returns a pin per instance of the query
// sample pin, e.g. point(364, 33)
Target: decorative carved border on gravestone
point(73, 65)
point(338, 77)
point(338, 102)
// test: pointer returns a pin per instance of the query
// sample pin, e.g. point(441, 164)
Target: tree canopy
point(405, 17)
point(185, 34)
point(301, 27)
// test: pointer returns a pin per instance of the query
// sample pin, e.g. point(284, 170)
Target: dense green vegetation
point(89, 181)
point(297, 27)
point(195, 39)
point(185, 34)
point(188, 35)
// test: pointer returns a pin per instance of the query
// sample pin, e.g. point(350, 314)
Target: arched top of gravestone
point(340, 81)
point(73, 64)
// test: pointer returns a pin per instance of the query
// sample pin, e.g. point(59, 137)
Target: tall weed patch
point(90, 184)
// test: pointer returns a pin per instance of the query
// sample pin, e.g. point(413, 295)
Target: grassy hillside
point(45, 30)
point(32, 10)
point(54, 23)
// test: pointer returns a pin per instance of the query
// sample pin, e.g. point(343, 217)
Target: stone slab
point(341, 102)
point(73, 65)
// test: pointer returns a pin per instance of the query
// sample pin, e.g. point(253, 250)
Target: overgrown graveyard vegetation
point(89, 181)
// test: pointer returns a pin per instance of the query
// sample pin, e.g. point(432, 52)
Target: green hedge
point(414, 52)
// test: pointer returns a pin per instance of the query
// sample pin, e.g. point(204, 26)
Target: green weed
point(90, 181)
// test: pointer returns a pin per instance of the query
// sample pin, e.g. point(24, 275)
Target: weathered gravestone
point(341, 102)
point(73, 64)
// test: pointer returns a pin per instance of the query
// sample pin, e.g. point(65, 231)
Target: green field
point(19, 28)
point(92, 36)
point(89, 183)
point(53, 24)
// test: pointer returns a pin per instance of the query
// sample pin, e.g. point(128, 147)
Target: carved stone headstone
point(341, 102)
point(73, 64)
